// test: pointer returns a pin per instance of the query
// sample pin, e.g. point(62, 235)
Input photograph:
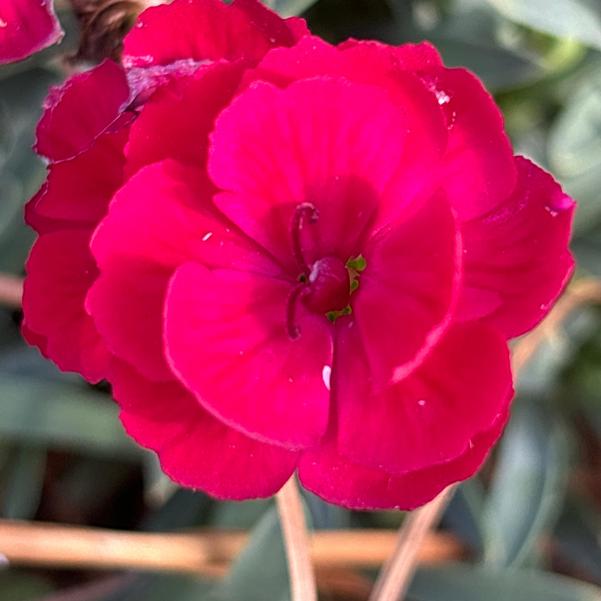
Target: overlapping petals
point(329, 475)
point(287, 255)
point(207, 30)
point(61, 270)
point(65, 130)
point(516, 257)
point(167, 419)
point(335, 163)
point(461, 388)
point(254, 377)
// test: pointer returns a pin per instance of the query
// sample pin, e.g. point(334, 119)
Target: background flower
point(26, 26)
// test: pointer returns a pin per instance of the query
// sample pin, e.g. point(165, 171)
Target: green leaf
point(162, 587)
point(22, 586)
point(461, 582)
point(464, 513)
point(576, 539)
point(575, 148)
point(260, 573)
point(288, 8)
point(184, 509)
point(62, 415)
point(238, 515)
point(577, 19)
point(23, 483)
point(528, 485)
point(498, 67)
point(324, 515)
point(21, 172)
point(575, 139)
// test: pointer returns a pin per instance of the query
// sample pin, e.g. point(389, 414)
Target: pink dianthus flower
point(287, 256)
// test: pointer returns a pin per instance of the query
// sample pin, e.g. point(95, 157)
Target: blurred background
point(527, 528)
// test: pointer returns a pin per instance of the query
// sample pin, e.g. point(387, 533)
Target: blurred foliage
point(531, 519)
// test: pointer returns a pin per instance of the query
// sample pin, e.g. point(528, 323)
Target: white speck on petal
point(421, 402)
point(207, 236)
point(442, 97)
point(326, 372)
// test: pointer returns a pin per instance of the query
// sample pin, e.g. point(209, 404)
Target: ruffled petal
point(77, 112)
point(195, 449)
point(362, 61)
point(408, 291)
point(160, 219)
point(409, 57)
point(330, 476)
point(334, 144)
point(207, 30)
point(478, 172)
point(60, 269)
point(517, 259)
point(163, 215)
point(175, 123)
point(424, 135)
point(126, 303)
point(434, 414)
point(78, 191)
point(227, 340)
point(26, 26)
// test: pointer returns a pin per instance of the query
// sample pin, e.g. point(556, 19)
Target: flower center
point(325, 287)
point(328, 286)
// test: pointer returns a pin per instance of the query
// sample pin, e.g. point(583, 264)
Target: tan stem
point(296, 541)
point(204, 552)
point(586, 291)
point(11, 290)
point(396, 575)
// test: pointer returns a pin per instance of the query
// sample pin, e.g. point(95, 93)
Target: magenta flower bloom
point(26, 26)
point(286, 255)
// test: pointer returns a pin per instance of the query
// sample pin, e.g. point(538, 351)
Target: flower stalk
point(296, 541)
point(395, 577)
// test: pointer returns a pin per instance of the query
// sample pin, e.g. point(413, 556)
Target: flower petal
point(207, 30)
point(479, 171)
point(408, 291)
point(516, 257)
point(78, 191)
point(77, 112)
point(434, 414)
point(26, 26)
point(410, 57)
point(160, 219)
point(126, 304)
point(175, 123)
point(195, 449)
point(163, 215)
point(60, 270)
point(330, 476)
point(227, 341)
point(424, 134)
point(325, 141)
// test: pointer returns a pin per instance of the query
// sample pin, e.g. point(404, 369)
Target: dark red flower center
point(328, 286)
point(325, 286)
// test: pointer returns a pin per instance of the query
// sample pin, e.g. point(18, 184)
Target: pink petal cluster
point(26, 26)
point(287, 256)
